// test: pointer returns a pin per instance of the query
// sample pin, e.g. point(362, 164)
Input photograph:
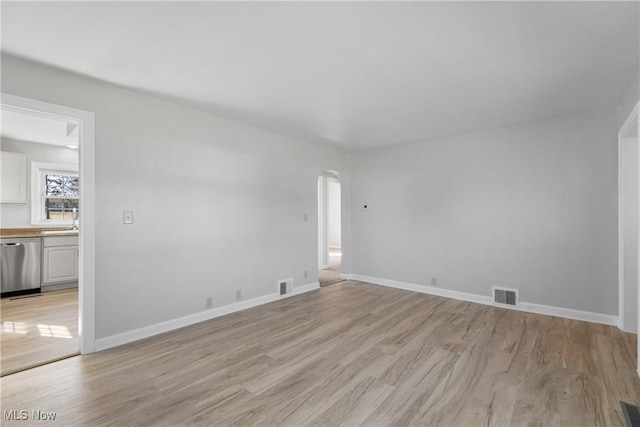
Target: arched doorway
point(329, 228)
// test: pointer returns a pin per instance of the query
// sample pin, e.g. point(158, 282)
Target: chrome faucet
point(75, 215)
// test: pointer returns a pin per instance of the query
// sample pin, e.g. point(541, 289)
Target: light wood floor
point(331, 274)
point(37, 329)
point(348, 354)
point(328, 276)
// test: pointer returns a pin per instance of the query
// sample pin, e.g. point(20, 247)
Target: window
point(55, 193)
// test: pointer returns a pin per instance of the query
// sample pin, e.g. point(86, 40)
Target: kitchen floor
point(37, 329)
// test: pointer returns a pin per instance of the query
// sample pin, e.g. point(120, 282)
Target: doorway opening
point(49, 314)
point(628, 225)
point(329, 228)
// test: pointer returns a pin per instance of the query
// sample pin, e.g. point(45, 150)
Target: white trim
point(87, 235)
point(623, 134)
point(181, 322)
point(323, 215)
point(620, 235)
point(568, 313)
point(305, 288)
point(431, 290)
point(630, 121)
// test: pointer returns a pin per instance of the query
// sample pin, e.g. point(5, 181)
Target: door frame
point(623, 134)
point(86, 237)
point(323, 215)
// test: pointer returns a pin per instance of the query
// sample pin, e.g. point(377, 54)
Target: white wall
point(630, 232)
point(532, 207)
point(18, 215)
point(218, 206)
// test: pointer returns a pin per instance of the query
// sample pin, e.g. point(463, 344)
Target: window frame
point(38, 190)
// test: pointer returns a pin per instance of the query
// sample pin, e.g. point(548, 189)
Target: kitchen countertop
point(6, 233)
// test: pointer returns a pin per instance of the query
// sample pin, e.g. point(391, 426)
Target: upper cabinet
point(13, 178)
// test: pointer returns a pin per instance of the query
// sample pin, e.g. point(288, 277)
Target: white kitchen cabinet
point(13, 178)
point(59, 260)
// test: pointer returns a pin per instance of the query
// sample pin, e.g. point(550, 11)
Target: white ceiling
point(38, 128)
point(353, 75)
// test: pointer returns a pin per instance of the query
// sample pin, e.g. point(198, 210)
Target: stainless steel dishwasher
point(20, 265)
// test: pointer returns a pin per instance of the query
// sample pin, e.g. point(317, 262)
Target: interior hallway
point(331, 274)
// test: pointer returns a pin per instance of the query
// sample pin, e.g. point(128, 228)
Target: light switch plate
point(127, 217)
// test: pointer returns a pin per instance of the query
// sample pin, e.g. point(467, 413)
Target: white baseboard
point(569, 313)
point(632, 329)
point(181, 322)
point(424, 289)
point(304, 288)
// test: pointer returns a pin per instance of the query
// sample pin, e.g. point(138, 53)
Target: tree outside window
point(55, 192)
point(60, 196)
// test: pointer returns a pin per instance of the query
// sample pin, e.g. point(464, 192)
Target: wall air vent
point(505, 296)
point(285, 286)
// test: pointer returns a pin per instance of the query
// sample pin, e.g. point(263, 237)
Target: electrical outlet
point(238, 295)
point(127, 217)
point(434, 281)
point(306, 274)
point(209, 302)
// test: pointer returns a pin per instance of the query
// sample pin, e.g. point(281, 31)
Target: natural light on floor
point(54, 331)
point(14, 328)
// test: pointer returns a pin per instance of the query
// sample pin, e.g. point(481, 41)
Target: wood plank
point(347, 354)
point(38, 329)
